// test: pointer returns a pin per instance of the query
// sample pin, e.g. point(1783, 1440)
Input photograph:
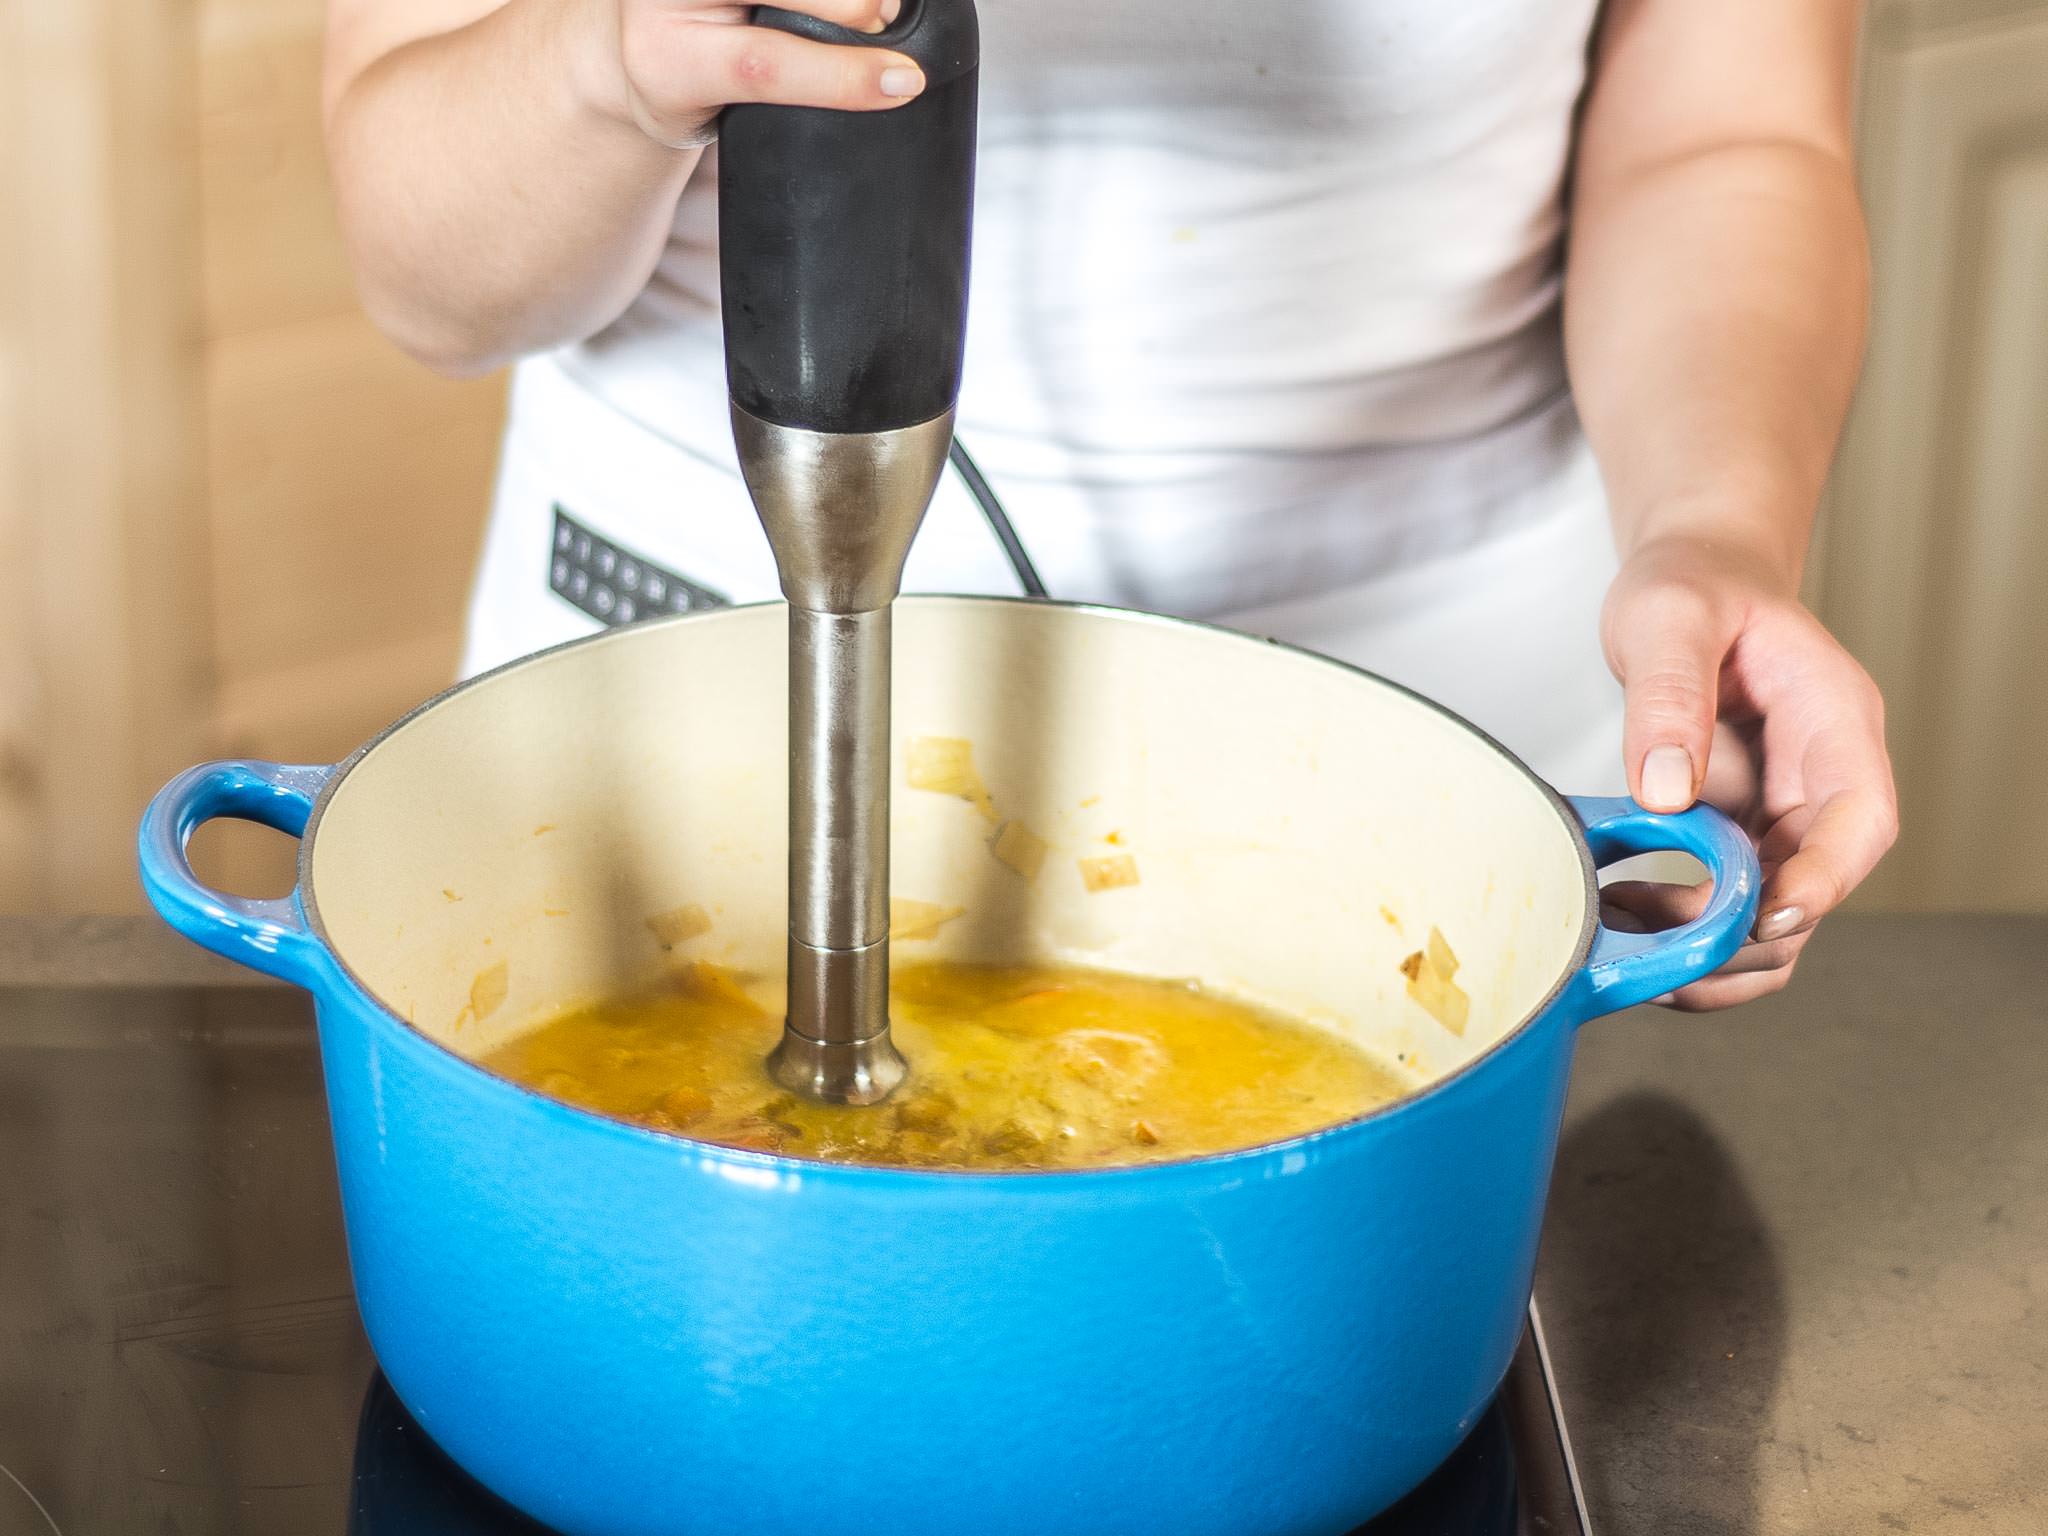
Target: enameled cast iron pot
point(623, 1331)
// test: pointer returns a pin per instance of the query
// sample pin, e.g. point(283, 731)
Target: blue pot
point(622, 1331)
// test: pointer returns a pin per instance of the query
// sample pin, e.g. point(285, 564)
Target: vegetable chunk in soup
point(1010, 1067)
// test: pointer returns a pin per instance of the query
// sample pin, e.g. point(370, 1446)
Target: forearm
point(1714, 318)
point(493, 200)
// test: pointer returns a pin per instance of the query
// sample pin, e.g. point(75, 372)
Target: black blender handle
point(843, 237)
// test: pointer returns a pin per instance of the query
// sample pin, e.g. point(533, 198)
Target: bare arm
point(507, 170)
point(1714, 317)
point(1716, 284)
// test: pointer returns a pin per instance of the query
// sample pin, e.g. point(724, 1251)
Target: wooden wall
point(232, 518)
point(1934, 559)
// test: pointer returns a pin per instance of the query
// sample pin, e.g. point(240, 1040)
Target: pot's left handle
point(1630, 968)
point(268, 935)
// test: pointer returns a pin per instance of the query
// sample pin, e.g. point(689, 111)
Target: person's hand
point(680, 61)
point(1737, 695)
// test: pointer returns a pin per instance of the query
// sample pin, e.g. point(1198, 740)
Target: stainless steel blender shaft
point(840, 510)
point(842, 260)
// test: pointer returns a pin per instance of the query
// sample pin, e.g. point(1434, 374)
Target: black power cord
point(998, 520)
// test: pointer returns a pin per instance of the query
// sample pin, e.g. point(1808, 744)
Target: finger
point(1766, 955)
point(1667, 646)
point(1644, 907)
point(1842, 844)
point(1724, 991)
point(854, 15)
point(1652, 905)
point(757, 64)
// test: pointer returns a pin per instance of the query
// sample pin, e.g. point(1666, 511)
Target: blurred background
point(233, 520)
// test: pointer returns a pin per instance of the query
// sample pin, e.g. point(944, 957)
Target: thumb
point(1667, 652)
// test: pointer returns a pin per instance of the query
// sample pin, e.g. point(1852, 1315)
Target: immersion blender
point(843, 258)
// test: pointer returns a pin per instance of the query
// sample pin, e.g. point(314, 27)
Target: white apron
point(600, 521)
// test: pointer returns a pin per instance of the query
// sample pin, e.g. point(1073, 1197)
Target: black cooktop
point(179, 1349)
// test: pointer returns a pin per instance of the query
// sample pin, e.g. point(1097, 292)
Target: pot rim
point(1306, 1142)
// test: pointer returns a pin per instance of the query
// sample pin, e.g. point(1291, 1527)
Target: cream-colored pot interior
point(1296, 827)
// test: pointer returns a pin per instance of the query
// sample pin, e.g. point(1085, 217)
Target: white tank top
point(1264, 304)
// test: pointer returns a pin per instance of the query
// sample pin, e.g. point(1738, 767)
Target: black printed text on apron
point(615, 585)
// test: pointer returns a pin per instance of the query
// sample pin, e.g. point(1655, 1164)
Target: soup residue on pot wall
point(1012, 1067)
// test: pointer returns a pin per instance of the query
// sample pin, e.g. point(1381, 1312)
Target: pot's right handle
point(1630, 968)
point(268, 935)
